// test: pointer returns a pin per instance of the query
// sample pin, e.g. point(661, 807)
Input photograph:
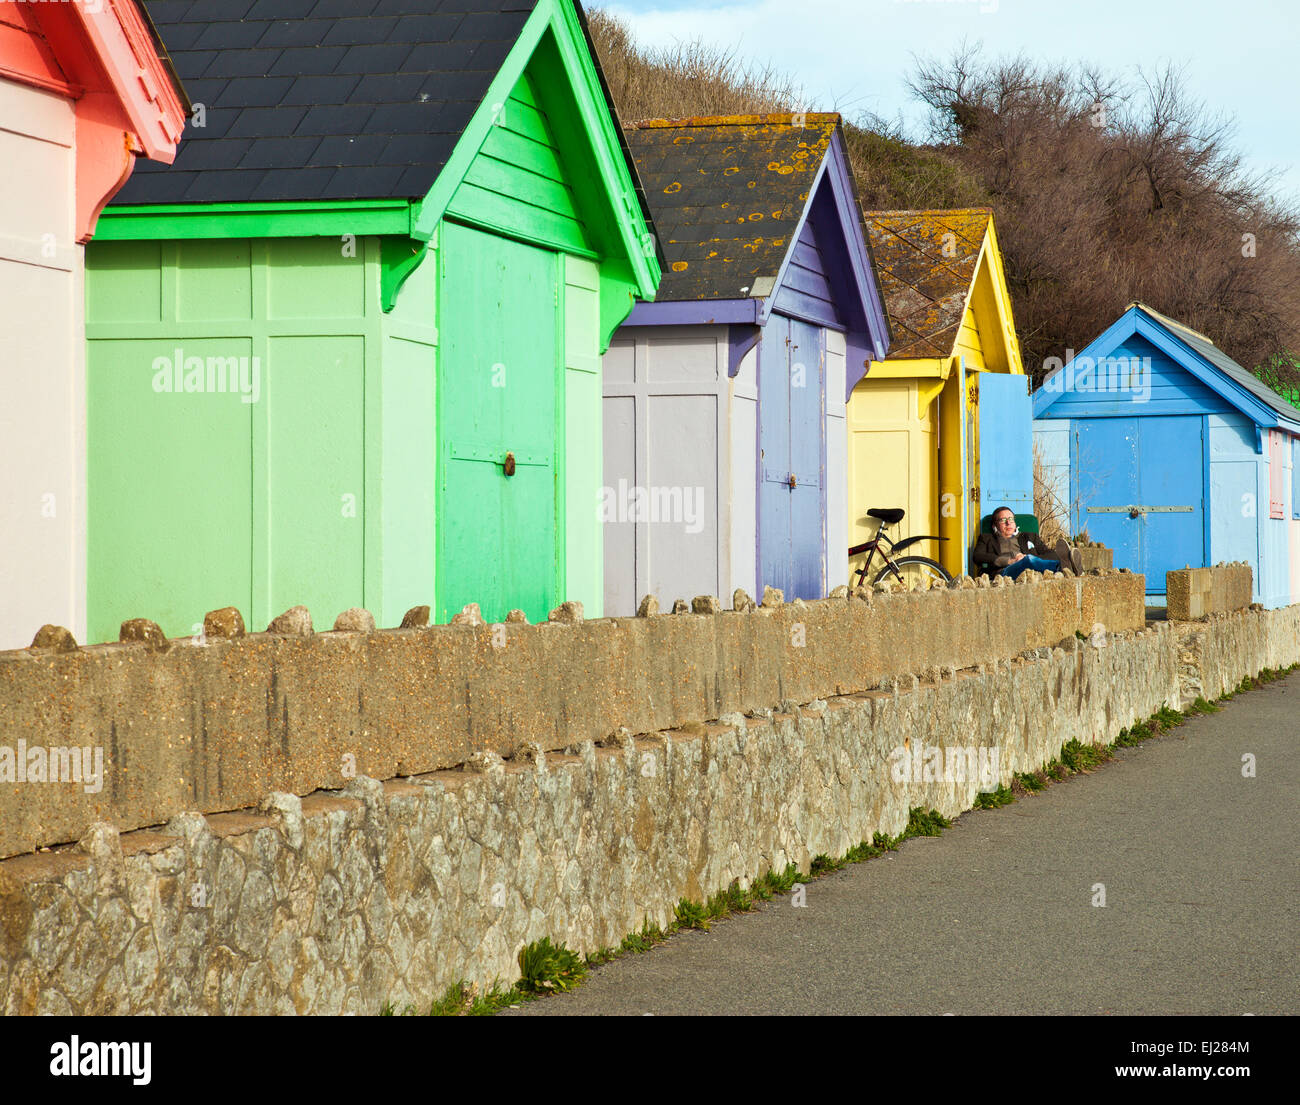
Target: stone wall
point(1096, 556)
point(1194, 593)
point(338, 902)
point(214, 725)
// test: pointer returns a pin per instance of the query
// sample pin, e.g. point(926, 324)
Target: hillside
point(1105, 192)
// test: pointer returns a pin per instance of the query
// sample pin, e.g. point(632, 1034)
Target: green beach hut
point(346, 351)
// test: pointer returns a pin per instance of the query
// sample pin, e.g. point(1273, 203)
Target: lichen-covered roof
point(926, 262)
point(727, 194)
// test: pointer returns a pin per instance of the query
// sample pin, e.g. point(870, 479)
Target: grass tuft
point(691, 915)
point(546, 968)
point(992, 799)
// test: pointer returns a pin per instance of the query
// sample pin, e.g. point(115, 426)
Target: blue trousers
point(1025, 563)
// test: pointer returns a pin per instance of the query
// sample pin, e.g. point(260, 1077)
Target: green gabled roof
point(247, 177)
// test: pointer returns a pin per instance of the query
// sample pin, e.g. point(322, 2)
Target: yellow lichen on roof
point(700, 193)
point(926, 262)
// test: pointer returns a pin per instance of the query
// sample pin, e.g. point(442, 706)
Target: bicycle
point(908, 570)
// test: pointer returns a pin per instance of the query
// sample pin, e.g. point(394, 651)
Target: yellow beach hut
point(954, 368)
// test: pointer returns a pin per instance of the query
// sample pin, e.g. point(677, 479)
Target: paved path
point(1202, 907)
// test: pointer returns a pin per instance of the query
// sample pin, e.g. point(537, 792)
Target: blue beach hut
point(1174, 455)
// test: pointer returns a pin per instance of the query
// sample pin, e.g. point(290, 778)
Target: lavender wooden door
point(792, 449)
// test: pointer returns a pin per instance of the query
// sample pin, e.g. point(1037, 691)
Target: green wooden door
point(500, 376)
point(233, 455)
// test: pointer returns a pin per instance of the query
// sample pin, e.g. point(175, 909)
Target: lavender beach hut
point(725, 398)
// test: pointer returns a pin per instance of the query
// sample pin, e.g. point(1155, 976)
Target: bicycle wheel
point(913, 569)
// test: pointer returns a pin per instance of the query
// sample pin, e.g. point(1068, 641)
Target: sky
point(1242, 57)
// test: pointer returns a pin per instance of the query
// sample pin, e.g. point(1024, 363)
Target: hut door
point(1006, 450)
point(1140, 487)
point(792, 448)
point(498, 375)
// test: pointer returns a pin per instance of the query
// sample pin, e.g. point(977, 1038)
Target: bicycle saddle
point(889, 517)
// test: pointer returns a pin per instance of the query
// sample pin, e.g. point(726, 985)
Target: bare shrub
point(1106, 193)
point(1051, 510)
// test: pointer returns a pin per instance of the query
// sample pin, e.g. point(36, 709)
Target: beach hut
point(84, 95)
point(941, 427)
point(346, 351)
point(1174, 455)
point(725, 397)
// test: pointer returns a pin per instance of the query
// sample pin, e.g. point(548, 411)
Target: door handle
point(793, 482)
point(1135, 513)
point(509, 464)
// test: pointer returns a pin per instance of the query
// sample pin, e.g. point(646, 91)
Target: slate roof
point(1203, 346)
point(926, 262)
point(324, 99)
point(726, 194)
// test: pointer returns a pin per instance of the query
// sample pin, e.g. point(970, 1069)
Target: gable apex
point(1191, 351)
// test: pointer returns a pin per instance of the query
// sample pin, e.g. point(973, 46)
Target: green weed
point(549, 968)
point(1079, 757)
point(691, 915)
point(923, 823)
point(1031, 781)
point(992, 799)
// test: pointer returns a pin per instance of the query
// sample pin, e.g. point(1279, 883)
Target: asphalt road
point(996, 916)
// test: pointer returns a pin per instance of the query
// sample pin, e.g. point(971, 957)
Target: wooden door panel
point(498, 378)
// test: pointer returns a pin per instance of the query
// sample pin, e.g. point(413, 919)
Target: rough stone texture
point(339, 902)
point(226, 622)
point(772, 597)
point(706, 604)
point(567, 613)
point(741, 603)
point(142, 631)
point(1095, 556)
point(355, 620)
point(415, 618)
point(294, 622)
point(649, 607)
point(217, 728)
point(469, 615)
point(517, 617)
point(1194, 593)
point(681, 606)
point(55, 637)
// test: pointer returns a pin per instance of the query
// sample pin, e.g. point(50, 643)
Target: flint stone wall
point(1194, 593)
point(338, 902)
point(214, 727)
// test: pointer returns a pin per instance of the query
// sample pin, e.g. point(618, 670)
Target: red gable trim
point(126, 49)
point(25, 55)
point(103, 58)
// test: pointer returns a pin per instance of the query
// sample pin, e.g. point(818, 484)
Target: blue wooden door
point(1139, 484)
point(1104, 478)
point(1006, 450)
point(1171, 491)
point(791, 500)
point(807, 461)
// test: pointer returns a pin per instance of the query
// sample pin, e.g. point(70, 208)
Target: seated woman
point(1008, 552)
